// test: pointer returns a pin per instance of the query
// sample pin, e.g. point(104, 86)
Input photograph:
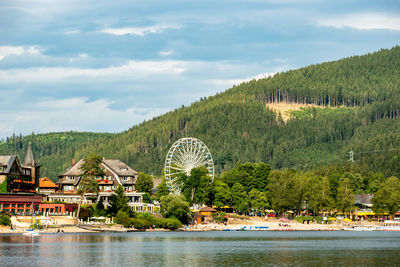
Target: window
point(68, 187)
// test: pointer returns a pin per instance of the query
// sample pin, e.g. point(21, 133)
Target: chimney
point(73, 162)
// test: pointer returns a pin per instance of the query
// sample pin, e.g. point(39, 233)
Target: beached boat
point(255, 228)
point(31, 232)
point(361, 228)
point(233, 229)
point(390, 225)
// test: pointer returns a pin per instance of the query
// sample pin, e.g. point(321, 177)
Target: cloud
point(79, 57)
point(140, 31)
point(77, 114)
point(166, 53)
point(133, 70)
point(18, 50)
point(363, 21)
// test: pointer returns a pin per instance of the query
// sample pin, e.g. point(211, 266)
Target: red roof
point(45, 182)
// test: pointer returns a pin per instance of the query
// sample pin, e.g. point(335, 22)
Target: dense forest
point(356, 106)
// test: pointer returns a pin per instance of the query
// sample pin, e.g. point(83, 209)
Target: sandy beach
point(273, 224)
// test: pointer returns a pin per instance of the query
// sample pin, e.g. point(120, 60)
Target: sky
point(105, 66)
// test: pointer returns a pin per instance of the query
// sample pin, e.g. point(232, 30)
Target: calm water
point(203, 249)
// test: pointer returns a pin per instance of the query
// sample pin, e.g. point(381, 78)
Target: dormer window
point(123, 169)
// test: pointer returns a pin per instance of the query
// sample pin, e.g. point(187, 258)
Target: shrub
point(140, 224)
point(85, 213)
point(123, 218)
point(5, 219)
point(219, 217)
point(172, 223)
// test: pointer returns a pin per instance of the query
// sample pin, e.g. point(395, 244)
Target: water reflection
point(202, 249)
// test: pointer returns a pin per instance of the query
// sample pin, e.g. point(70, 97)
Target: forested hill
point(355, 105)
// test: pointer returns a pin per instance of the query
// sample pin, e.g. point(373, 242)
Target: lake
point(202, 249)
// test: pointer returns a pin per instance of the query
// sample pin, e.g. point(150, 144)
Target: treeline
point(255, 187)
point(352, 82)
point(360, 96)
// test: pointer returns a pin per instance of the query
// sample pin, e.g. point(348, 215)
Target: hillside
point(360, 97)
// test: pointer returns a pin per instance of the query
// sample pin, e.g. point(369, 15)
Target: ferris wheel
point(184, 155)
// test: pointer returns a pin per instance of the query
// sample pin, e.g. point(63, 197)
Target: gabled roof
point(74, 170)
point(8, 162)
point(208, 209)
point(46, 182)
point(119, 167)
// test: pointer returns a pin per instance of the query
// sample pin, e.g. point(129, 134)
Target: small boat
point(33, 232)
point(255, 228)
point(390, 225)
point(360, 228)
point(233, 229)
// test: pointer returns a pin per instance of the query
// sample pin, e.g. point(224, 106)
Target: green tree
point(99, 209)
point(162, 190)
point(387, 198)
point(260, 176)
point(319, 197)
point(258, 200)
point(144, 184)
point(345, 196)
point(123, 218)
point(283, 190)
point(197, 186)
point(119, 202)
point(239, 197)
point(91, 170)
point(175, 206)
point(222, 194)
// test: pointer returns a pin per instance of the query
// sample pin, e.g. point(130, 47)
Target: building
point(46, 186)
point(19, 178)
point(116, 173)
point(58, 208)
point(205, 214)
point(21, 203)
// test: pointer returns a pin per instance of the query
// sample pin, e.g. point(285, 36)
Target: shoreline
point(273, 225)
point(233, 224)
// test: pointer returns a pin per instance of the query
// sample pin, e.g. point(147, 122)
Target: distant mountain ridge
point(238, 126)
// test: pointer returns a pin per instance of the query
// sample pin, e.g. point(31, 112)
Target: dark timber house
point(19, 178)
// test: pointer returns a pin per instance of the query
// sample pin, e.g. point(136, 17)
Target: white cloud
point(79, 57)
point(363, 21)
point(18, 50)
point(133, 70)
point(77, 114)
point(166, 53)
point(141, 31)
